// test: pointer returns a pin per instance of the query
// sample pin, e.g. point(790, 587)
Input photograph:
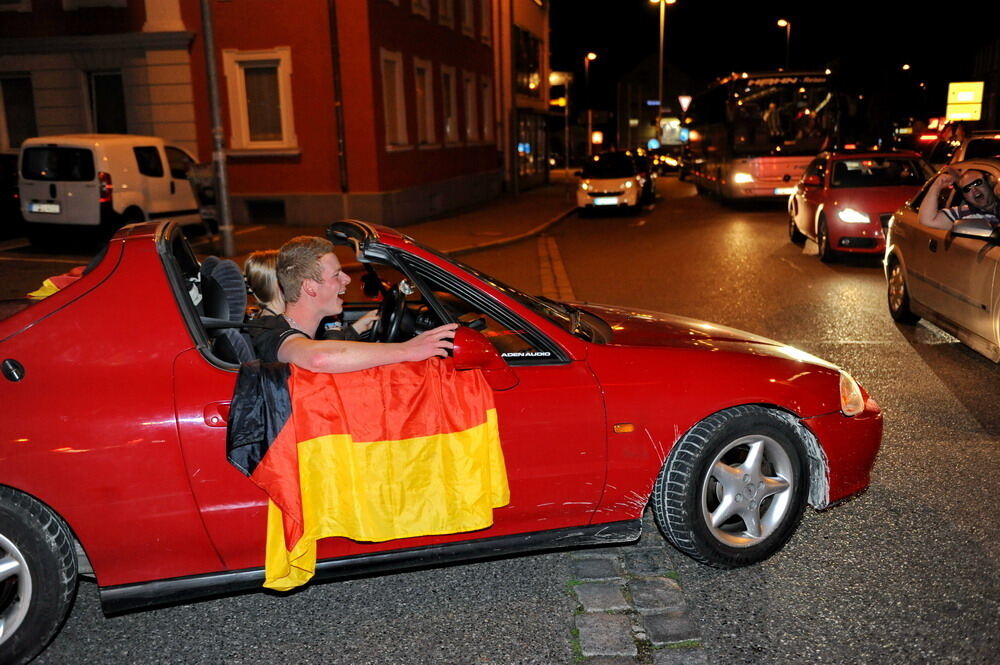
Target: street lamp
point(787, 25)
point(659, 94)
point(590, 113)
point(564, 79)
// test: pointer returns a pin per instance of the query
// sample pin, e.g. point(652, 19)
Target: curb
point(515, 238)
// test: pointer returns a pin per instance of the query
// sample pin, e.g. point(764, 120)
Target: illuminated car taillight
point(105, 181)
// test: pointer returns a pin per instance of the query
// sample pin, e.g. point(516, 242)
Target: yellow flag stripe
point(384, 490)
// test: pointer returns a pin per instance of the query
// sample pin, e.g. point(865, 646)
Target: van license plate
point(783, 191)
point(606, 201)
point(51, 208)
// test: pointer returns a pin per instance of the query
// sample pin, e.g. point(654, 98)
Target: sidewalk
point(503, 220)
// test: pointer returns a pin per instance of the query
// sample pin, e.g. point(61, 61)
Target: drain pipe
point(222, 210)
point(338, 107)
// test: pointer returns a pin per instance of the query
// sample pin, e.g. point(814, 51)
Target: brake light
point(928, 137)
point(105, 181)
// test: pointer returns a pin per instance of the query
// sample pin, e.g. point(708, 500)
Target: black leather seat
point(223, 306)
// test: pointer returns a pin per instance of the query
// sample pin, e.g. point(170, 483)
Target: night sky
point(866, 42)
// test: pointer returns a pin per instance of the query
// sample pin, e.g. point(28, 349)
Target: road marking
point(793, 265)
point(555, 280)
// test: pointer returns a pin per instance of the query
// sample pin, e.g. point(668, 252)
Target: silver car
point(949, 277)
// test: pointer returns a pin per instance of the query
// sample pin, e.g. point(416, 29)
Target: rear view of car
point(609, 181)
point(102, 181)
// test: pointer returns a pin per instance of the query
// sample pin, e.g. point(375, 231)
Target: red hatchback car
point(116, 392)
point(845, 199)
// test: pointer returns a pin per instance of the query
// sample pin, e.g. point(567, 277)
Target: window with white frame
point(423, 83)
point(469, 95)
point(259, 85)
point(449, 105)
point(485, 22)
point(422, 7)
point(468, 18)
point(393, 100)
point(446, 13)
point(486, 89)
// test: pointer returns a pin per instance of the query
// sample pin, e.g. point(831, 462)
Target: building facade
point(383, 110)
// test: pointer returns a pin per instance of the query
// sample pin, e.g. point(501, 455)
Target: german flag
point(398, 451)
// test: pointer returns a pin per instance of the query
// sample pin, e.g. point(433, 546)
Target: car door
point(917, 245)
point(182, 187)
point(552, 428)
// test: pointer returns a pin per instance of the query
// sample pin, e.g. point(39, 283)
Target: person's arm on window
point(929, 214)
point(334, 356)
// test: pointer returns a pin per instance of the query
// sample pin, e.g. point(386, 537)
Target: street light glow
point(591, 56)
point(782, 23)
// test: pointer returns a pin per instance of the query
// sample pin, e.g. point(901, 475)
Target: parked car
point(981, 143)
point(602, 410)
point(949, 277)
point(845, 199)
point(613, 180)
point(102, 182)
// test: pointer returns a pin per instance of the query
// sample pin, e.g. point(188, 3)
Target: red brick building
point(411, 82)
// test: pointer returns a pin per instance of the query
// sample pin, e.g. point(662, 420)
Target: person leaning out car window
point(978, 191)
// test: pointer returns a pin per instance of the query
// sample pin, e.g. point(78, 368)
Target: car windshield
point(878, 172)
point(575, 321)
point(609, 165)
point(983, 147)
point(64, 164)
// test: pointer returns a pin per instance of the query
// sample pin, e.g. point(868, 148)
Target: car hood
point(638, 327)
point(874, 199)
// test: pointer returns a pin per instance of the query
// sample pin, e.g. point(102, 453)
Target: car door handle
point(217, 414)
point(173, 187)
point(932, 245)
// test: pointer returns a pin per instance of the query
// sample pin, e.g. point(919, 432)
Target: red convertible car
point(116, 392)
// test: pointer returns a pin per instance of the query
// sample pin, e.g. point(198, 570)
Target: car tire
point(750, 457)
point(796, 236)
point(38, 576)
point(898, 296)
point(826, 253)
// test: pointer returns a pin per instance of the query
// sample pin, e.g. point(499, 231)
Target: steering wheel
point(391, 312)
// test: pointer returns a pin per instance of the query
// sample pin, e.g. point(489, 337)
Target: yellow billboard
point(965, 100)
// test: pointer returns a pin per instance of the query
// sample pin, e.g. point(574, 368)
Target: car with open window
point(948, 276)
point(845, 198)
point(115, 467)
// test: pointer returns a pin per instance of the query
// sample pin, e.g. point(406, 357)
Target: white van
point(103, 181)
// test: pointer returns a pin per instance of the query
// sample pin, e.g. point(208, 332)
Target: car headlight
point(585, 186)
point(670, 161)
point(742, 178)
point(629, 183)
point(852, 400)
point(852, 216)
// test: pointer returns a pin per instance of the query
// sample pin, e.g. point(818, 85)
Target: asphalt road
point(906, 573)
point(903, 574)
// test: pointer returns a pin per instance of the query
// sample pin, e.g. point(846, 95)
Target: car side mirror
point(812, 181)
point(473, 351)
point(978, 229)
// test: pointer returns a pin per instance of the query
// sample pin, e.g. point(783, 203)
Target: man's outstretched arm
point(929, 214)
point(334, 356)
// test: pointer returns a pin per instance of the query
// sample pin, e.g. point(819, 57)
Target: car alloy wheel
point(733, 489)
point(898, 296)
point(37, 576)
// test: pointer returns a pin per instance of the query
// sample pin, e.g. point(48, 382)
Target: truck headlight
point(852, 216)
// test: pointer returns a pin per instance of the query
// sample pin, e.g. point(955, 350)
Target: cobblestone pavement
point(631, 610)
